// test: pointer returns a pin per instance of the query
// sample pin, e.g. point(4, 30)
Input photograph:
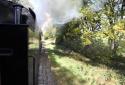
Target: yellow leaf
point(87, 41)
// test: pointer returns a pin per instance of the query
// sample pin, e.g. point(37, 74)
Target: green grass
point(71, 68)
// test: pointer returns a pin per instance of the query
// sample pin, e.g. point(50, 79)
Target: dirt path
point(45, 76)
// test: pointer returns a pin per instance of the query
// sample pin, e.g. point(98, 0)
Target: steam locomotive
point(15, 19)
point(9, 11)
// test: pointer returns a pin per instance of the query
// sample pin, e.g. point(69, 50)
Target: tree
point(112, 11)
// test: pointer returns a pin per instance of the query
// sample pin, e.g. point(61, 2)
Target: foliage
point(50, 33)
point(96, 30)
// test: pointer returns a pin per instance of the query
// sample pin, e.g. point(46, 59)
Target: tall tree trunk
point(113, 46)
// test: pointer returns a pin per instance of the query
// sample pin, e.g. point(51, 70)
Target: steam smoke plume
point(55, 11)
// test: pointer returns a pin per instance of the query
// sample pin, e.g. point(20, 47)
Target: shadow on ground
point(116, 63)
point(62, 75)
point(65, 77)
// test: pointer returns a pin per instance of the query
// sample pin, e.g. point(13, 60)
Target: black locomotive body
point(14, 22)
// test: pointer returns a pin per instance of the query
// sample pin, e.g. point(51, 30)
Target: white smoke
point(60, 11)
